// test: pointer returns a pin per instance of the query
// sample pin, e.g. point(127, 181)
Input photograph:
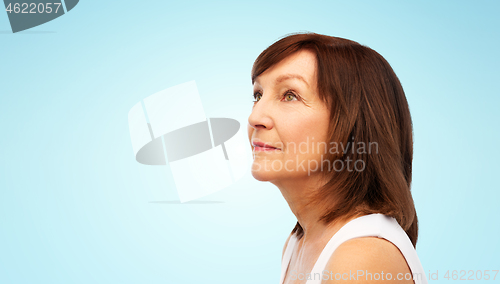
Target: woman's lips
point(260, 146)
point(257, 148)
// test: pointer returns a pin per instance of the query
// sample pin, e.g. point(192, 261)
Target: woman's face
point(289, 116)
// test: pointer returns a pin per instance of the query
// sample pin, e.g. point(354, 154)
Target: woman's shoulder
point(367, 260)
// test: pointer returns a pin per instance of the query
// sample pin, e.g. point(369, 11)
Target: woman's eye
point(289, 96)
point(257, 97)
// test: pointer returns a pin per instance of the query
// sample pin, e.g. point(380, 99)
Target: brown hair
point(367, 104)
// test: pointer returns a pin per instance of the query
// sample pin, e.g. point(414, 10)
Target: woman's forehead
point(300, 66)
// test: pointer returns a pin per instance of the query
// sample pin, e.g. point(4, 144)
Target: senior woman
point(331, 128)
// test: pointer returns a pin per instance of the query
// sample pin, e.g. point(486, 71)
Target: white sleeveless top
point(372, 225)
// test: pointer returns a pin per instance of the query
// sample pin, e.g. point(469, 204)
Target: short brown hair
point(367, 104)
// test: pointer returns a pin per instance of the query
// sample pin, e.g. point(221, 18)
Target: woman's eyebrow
point(290, 76)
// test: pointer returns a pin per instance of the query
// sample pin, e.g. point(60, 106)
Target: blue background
point(75, 206)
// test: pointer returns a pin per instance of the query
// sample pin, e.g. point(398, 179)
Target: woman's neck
point(299, 193)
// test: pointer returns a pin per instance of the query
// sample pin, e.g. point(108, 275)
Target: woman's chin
point(262, 176)
point(271, 176)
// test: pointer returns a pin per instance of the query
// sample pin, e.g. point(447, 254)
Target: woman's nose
point(260, 118)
